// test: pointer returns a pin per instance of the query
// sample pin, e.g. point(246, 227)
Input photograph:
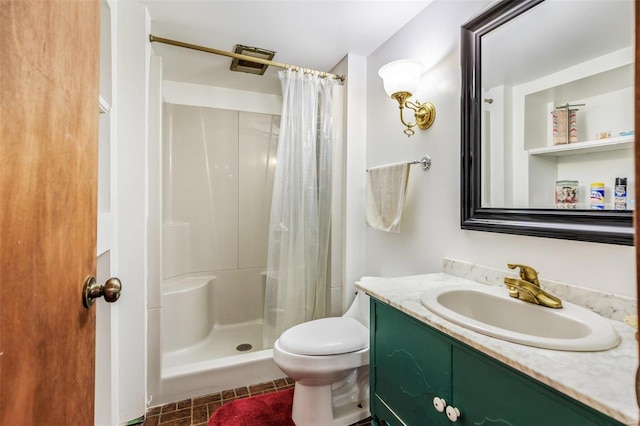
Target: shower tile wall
point(218, 178)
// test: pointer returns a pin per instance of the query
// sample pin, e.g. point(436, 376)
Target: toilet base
point(331, 405)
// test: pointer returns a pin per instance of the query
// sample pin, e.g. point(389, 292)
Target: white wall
point(431, 219)
point(355, 67)
point(134, 51)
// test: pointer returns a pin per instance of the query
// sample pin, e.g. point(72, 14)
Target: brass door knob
point(92, 290)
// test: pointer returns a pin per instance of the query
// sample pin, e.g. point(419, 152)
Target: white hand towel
point(386, 188)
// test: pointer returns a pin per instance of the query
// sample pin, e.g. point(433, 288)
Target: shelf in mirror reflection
point(581, 207)
point(608, 144)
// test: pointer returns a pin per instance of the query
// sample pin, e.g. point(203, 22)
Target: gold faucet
point(527, 288)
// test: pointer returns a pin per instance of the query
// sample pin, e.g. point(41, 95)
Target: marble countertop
point(602, 380)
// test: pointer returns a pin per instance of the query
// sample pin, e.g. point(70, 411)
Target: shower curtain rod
point(240, 56)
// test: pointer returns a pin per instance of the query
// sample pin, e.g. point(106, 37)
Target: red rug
point(269, 409)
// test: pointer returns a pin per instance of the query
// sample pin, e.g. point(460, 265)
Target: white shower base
point(201, 353)
point(221, 342)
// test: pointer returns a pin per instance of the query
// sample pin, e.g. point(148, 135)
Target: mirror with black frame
point(547, 117)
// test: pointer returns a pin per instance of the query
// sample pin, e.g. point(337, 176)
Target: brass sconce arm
point(424, 113)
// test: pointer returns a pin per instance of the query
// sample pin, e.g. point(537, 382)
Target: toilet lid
point(326, 336)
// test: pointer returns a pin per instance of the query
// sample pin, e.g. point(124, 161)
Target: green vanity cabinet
point(412, 363)
point(409, 367)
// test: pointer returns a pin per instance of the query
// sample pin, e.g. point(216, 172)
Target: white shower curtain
point(301, 205)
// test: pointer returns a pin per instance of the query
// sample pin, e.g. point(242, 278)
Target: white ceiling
point(309, 33)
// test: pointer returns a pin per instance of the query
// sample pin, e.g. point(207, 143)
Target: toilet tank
point(359, 308)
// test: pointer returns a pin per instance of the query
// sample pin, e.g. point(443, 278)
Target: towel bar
point(425, 162)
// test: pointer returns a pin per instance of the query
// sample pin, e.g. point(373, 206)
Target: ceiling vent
point(249, 67)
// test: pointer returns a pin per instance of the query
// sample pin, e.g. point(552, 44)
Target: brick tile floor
point(197, 411)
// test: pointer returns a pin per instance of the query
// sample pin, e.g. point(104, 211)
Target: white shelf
point(103, 105)
point(609, 144)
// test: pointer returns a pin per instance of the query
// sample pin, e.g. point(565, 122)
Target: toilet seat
point(326, 336)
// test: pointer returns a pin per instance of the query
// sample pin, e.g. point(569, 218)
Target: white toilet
point(329, 361)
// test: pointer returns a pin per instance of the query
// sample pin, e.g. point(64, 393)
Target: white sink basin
point(490, 310)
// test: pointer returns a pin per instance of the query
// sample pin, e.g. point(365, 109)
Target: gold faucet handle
point(527, 273)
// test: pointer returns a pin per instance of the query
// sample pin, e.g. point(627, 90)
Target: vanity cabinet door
point(409, 367)
point(487, 392)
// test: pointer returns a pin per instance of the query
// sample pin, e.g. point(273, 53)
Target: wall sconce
point(401, 79)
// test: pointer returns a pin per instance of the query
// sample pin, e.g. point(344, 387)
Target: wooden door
point(48, 179)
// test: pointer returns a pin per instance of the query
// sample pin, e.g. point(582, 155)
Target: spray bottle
point(620, 194)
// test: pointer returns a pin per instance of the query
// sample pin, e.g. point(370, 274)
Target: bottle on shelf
point(597, 196)
point(620, 194)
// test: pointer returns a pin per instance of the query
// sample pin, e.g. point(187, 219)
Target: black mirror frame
point(611, 227)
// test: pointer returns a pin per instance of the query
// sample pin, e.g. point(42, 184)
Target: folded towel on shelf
point(386, 188)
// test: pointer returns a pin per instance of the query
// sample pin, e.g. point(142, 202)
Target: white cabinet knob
point(439, 404)
point(453, 413)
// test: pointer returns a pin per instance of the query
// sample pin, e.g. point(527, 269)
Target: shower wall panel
point(203, 165)
point(258, 145)
point(234, 299)
point(218, 179)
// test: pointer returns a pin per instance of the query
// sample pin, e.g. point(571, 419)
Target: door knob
point(439, 404)
point(92, 290)
point(453, 413)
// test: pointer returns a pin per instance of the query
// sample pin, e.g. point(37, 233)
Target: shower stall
point(210, 186)
point(217, 178)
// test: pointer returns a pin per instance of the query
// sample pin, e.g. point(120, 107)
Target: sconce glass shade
point(401, 76)
point(401, 80)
